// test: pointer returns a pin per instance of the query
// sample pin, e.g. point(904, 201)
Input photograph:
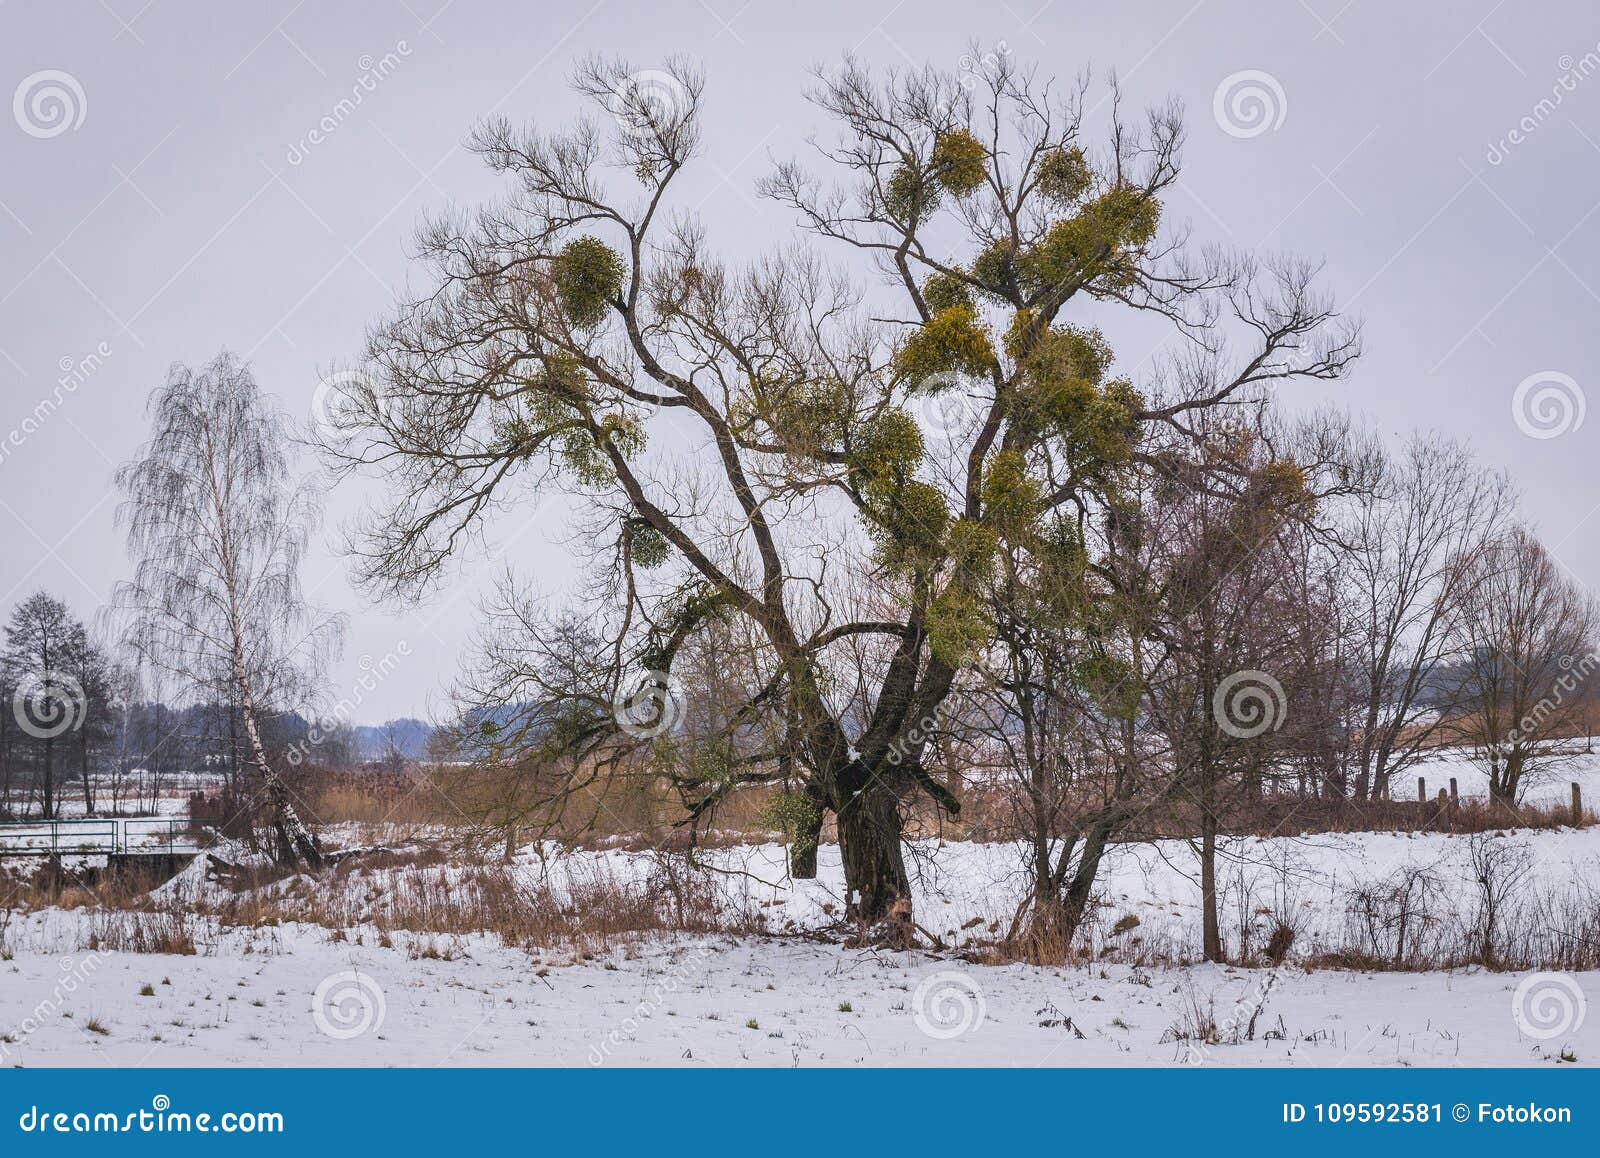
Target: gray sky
point(180, 206)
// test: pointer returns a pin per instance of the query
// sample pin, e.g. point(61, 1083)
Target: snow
point(1546, 785)
point(692, 1001)
point(250, 996)
point(82, 837)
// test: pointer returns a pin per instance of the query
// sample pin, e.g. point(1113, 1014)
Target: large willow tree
point(800, 476)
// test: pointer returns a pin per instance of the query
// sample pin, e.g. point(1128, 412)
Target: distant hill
point(411, 735)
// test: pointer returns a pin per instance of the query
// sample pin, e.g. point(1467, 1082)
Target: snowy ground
point(718, 1002)
point(1544, 786)
point(302, 995)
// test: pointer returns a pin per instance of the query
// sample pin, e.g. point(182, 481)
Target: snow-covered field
point(1544, 786)
point(715, 1001)
point(297, 994)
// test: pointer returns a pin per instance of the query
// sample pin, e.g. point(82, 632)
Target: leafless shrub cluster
point(162, 928)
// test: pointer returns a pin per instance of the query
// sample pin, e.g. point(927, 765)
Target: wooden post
point(1455, 797)
point(1577, 805)
point(1422, 789)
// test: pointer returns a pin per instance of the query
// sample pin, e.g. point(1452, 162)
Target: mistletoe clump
point(1064, 175)
point(588, 277)
point(995, 269)
point(795, 815)
point(647, 547)
point(885, 451)
point(942, 291)
point(809, 418)
point(951, 342)
point(584, 452)
point(957, 624)
point(907, 517)
point(959, 161)
point(910, 195)
point(909, 523)
point(1064, 393)
point(1099, 241)
point(1011, 496)
point(972, 547)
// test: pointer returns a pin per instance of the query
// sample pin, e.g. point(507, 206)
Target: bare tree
point(87, 664)
point(1409, 541)
point(216, 528)
point(1221, 699)
point(1527, 632)
point(46, 701)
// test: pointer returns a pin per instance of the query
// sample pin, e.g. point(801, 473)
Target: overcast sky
point(162, 196)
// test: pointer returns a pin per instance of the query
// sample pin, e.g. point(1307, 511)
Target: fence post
point(1455, 797)
point(1422, 790)
point(1577, 805)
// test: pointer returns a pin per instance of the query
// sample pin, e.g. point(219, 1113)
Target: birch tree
point(217, 525)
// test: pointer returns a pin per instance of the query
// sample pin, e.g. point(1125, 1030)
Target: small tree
point(46, 701)
point(1528, 633)
point(216, 528)
point(1224, 539)
point(89, 667)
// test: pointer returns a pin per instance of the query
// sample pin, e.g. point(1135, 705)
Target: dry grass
point(155, 929)
point(587, 913)
point(639, 810)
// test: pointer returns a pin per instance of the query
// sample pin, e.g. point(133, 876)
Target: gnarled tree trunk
point(870, 829)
